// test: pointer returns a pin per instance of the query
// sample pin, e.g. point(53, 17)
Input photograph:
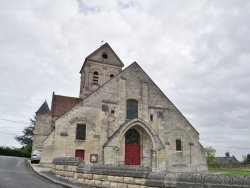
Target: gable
point(104, 55)
point(129, 85)
point(158, 101)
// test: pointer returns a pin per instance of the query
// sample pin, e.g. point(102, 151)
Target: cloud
point(197, 52)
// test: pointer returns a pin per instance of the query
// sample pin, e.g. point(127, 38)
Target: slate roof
point(226, 160)
point(61, 104)
point(44, 109)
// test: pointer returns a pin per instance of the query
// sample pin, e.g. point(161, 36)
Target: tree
point(246, 159)
point(210, 155)
point(26, 139)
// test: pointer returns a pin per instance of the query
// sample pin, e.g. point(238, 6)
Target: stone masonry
point(75, 170)
point(166, 141)
point(42, 126)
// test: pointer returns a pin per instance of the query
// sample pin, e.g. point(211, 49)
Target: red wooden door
point(132, 154)
point(80, 153)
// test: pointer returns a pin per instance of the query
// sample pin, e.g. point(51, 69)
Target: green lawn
point(229, 172)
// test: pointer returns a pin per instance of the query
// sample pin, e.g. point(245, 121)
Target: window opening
point(105, 108)
point(105, 56)
point(132, 137)
point(80, 132)
point(95, 78)
point(132, 109)
point(151, 117)
point(178, 145)
point(111, 76)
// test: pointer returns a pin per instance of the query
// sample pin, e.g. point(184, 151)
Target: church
point(121, 118)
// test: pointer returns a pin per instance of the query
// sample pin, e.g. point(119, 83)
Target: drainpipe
point(102, 155)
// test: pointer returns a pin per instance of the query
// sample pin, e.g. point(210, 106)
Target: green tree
point(210, 155)
point(26, 139)
point(246, 159)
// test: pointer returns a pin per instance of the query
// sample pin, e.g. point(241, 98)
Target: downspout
point(102, 154)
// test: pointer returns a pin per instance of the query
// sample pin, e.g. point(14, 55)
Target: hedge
point(6, 151)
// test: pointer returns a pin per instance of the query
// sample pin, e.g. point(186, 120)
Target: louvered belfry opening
point(95, 78)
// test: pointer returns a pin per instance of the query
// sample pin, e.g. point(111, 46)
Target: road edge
point(29, 165)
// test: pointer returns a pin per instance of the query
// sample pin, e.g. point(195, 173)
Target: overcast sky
point(197, 52)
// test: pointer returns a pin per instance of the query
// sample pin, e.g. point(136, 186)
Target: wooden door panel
point(132, 154)
point(80, 153)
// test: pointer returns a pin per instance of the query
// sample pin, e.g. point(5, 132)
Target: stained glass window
point(132, 109)
point(132, 137)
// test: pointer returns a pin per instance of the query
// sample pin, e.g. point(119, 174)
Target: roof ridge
point(99, 88)
point(66, 96)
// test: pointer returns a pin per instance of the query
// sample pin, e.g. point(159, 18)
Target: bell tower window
point(95, 78)
point(111, 76)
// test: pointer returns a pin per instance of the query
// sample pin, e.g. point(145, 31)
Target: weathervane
point(102, 42)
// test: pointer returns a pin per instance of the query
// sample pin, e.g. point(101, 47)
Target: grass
point(229, 172)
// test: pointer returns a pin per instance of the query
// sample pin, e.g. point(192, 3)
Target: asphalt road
point(15, 173)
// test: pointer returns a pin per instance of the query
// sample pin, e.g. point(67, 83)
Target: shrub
point(6, 151)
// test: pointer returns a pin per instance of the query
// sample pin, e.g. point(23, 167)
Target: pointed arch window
point(95, 78)
point(132, 137)
point(132, 109)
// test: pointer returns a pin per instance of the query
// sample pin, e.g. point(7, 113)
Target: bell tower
point(98, 68)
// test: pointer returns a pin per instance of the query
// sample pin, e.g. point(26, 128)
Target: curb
point(29, 165)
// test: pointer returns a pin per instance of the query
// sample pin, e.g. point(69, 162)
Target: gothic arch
point(116, 138)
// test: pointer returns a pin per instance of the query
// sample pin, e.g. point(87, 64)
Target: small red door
point(132, 154)
point(80, 153)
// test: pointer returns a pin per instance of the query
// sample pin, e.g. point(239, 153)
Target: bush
point(6, 151)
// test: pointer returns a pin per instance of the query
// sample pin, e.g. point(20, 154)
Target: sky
point(196, 51)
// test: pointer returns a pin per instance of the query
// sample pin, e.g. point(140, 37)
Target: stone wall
point(42, 130)
point(104, 113)
point(238, 166)
point(75, 170)
point(211, 181)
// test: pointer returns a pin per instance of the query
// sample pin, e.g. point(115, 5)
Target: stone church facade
point(122, 118)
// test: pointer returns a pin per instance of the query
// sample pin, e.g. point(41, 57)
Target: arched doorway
point(132, 148)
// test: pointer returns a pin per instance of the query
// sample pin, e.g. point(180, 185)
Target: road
point(15, 173)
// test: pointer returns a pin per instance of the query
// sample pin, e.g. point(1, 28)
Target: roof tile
point(61, 104)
